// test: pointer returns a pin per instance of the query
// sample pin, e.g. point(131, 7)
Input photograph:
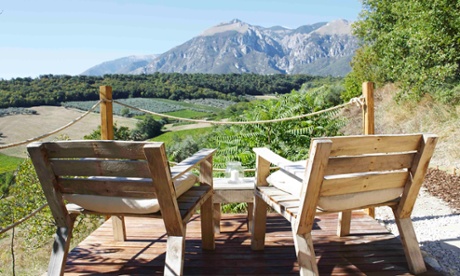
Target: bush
point(119, 133)
point(147, 128)
point(448, 95)
point(291, 139)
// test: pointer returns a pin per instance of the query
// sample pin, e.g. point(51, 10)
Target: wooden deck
point(370, 250)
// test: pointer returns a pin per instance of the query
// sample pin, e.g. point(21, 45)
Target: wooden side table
point(232, 193)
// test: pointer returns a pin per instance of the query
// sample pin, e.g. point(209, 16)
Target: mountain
point(122, 65)
point(324, 48)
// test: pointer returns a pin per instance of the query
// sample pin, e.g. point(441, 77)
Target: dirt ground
point(445, 186)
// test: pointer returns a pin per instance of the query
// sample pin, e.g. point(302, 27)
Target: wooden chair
point(343, 174)
point(120, 178)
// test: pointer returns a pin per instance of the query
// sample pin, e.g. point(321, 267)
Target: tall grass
point(426, 116)
point(9, 163)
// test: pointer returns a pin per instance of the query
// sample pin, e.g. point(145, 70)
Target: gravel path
point(437, 227)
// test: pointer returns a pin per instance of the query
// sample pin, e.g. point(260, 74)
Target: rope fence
point(358, 101)
point(3, 230)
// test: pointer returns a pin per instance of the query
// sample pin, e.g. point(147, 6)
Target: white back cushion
point(292, 183)
point(109, 204)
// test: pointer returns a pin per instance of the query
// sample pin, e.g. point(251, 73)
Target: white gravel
point(437, 227)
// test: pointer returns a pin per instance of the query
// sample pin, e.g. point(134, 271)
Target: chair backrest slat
point(100, 167)
point(359, 145)
point(381, 162)
point(106, 186)
point(99, 149)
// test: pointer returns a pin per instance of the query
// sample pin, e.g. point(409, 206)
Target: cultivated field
point(18, 128)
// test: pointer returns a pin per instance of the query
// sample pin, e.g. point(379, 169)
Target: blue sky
point(68, 36)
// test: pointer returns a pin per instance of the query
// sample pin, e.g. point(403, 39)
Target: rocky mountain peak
point(234, 25)
point(336, 27)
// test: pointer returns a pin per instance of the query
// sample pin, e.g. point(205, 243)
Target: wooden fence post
point(368, 119)
point(106, 109)
point(368, 109)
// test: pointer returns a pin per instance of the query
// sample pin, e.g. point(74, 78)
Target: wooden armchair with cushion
point(120, 178)
point(343, 174)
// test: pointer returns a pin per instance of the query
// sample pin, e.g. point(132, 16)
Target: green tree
point(125, 112)
point(290, 138)
point(180, 148)
point(147, 128)
point(411, 42)
point(365, 68)
point(119, 133)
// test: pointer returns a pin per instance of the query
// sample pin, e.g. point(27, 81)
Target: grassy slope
point(167, 137)
point(423, 117)
point(9, 163)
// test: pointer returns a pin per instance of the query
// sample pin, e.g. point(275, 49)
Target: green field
point(167, 137)
point(8, 163)
point(186, 113)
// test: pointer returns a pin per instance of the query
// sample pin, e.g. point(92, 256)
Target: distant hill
point(324, 48)
point(120, 66)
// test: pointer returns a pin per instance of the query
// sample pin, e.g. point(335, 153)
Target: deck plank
point(369, 250)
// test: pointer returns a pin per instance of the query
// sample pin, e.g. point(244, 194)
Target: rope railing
point(3, 230)
point(357, 100)
point(51, 132)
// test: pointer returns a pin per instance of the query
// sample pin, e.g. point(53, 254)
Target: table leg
point(250, 215)
point(217, 218)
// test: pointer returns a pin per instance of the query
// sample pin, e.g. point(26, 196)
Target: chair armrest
point(294, 169)
point(191, 162)
point(272, 157)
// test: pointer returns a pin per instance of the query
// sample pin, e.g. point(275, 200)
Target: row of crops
point(16, 111)
point(155, 105)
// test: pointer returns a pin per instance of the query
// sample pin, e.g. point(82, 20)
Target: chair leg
point(305, 254)
point(259, 224)
point(61, 246)
point(410, 244)
point(175, 253)
point(344, 223)
point(207, 225)
point(119, 228)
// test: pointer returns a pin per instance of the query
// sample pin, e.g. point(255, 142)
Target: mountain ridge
point(323, 48)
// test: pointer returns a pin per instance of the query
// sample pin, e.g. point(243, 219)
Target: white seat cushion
point(110, 204)
point(292, 183)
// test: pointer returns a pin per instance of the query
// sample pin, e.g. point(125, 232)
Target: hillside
point(119, 66)
point(443, 178)
point(425, 116)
